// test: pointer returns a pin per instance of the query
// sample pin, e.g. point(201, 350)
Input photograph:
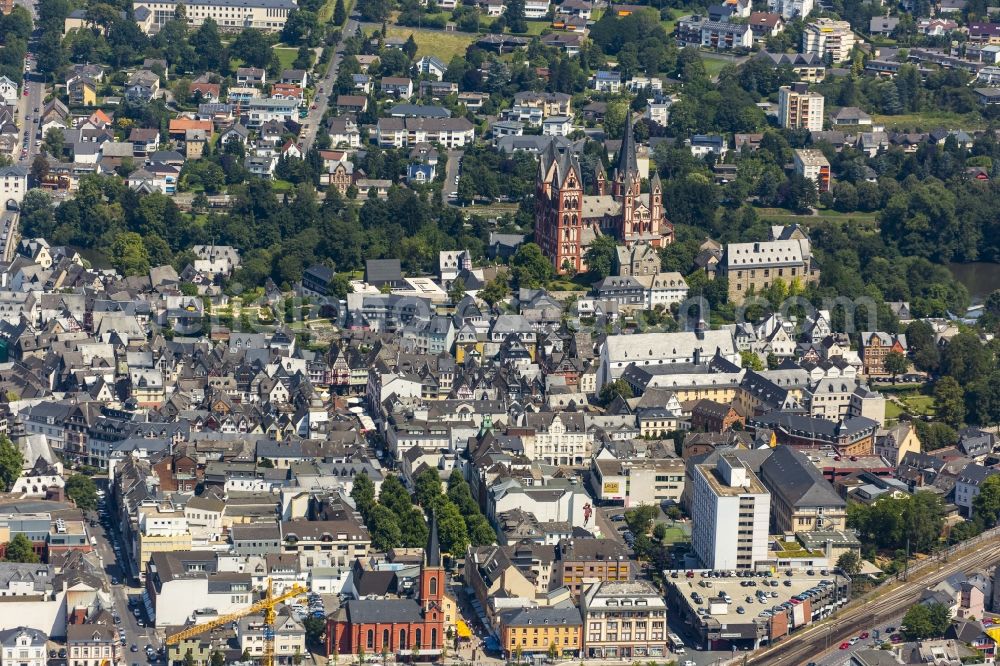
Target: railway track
point(863, 613)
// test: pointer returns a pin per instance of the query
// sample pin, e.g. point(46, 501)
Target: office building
point(730, 512)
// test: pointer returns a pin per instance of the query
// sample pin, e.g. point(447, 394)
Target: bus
point(676, 644)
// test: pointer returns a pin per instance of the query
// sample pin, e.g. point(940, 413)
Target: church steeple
point(628, 166)
point(432, 556)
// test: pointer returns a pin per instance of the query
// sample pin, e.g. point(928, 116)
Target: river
point(981, 278)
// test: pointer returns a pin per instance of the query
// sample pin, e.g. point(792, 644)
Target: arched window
point(416, 640)
point(371, 639)
point(434, 585)
point(385, 639)
point(402, 640)
point(434, 638)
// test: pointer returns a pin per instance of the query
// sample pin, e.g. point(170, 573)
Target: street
point(25, 150)
point(314, 119)
point(449, 191)
point(140, 636)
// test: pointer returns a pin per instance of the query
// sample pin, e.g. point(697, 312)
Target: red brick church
point(567, 220)
point(411, 629)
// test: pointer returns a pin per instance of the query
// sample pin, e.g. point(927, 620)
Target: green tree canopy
point(19, 549)
point(11, 463)
point(82, 490)
point(926, 621)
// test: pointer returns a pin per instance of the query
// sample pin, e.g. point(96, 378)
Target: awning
point(463, 629)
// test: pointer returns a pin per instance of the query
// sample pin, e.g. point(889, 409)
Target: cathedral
point(567, 220)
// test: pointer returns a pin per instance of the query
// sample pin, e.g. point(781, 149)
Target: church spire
point(628, 167)
point(432, 556)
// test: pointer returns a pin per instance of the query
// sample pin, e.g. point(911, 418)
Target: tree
point(363, 494)
point(339, 13)
point(615, 117)
point(39, 170)
point(54, 143)
point(315, 628)
point(129, 254)
point(427, 486)
point(19, 549)
point(750, 360)
point(611, 390)
point(480, 531)
point(452, 531)
point(600, 256)
point(935, 436)
point(495, 291)
point(218, 658)
point(514, 17)
point(949, 401)
point(922, 344)
point(926, 621)
point(82, 490)
point(850, 563)
point(189, 659)
point(641, 518)
point(456, 292)
point(383, 528)
point(986, 505)
point(11, 463)
point(530, 267)
point(896, 364)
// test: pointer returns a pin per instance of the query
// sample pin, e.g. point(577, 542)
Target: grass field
point(286, 56)
point(536, 27)
point(444, 45)
point(867, 220)
point(713, 63)
point(892, 411)
point(674, 535)
point(931, 120)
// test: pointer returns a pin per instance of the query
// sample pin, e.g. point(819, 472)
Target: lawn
point(713, 63)
point(868, 220)
point(892, 411)
point(674, 535)
point(444, 45)
point(286, 56)
point(536, 27)
point(931, 120)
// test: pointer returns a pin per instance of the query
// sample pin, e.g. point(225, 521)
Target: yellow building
point(894, 443)
point(541, 630)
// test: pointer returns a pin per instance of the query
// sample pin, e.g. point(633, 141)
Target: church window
point(434, 585)
point(416, 639)
point(371, 639)
point(402, 639)
point(434, 638)
point(385, 639)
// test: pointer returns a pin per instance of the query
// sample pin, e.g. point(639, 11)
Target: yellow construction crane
point(265, 606)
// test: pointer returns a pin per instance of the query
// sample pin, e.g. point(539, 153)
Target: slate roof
point(789, 474)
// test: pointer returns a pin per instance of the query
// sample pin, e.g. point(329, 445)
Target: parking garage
point(745, 610)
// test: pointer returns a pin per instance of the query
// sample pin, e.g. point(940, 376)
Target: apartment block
point(730, 514)
point(827, 37)
point(800, 109)
point(812, 164)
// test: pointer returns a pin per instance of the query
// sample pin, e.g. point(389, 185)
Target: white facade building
point(730, 514)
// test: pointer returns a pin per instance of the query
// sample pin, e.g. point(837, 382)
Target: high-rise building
point(827, 37)
point(800, 109)
point(730, 513)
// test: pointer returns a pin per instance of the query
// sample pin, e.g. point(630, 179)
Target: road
point(28, 103)
point(449, 190)
point(314, 119)
point(865, 614)
point(106, 536)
